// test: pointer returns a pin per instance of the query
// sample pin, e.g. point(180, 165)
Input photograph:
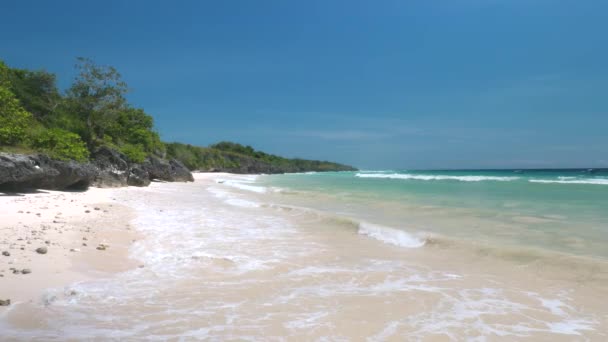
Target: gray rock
point(113, 168)
point(169, 171)
point(18, 172)
point(5, 302)
point(41, 250)
point(26, 271)
point(109, 168)
point(138, 176)
point(6, 253)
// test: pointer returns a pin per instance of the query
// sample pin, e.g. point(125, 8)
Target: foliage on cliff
point(92, 112)
point(236, 158)
point(36, 116)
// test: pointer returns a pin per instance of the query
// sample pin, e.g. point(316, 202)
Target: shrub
point(61, 144)
point(13, 118)
point(135, 153)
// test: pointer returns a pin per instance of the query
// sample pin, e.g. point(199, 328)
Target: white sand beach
point(80, 236)
point(222, 258)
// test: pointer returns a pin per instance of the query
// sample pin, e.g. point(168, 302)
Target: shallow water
point(240, 258)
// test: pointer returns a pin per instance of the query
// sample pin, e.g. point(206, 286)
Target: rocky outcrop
point(115, 170)
point(40, 172)
point(112, 166)
point(108, 168)
point(138, 176)
point(170, 171)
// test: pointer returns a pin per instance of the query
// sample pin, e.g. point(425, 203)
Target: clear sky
point(377, 84)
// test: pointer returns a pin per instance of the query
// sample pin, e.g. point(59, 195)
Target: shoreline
point(71, 226)
point(217, 250)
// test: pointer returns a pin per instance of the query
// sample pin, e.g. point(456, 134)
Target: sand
point(71, 226)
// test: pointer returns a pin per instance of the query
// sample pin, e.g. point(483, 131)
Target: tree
point(14, 119)
point(97, 96)
point(36, 90)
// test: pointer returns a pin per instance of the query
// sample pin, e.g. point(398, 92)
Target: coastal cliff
point(108, 168)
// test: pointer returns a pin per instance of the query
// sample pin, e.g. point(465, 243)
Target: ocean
point(350, 256)
point(554, 210)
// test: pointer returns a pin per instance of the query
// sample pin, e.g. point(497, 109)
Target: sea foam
point(593, 181)
point(390, 235)
point(407, 176)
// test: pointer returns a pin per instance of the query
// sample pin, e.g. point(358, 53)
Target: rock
point(19, 172)
point(5, 302)
point(170, 171)
point(41, 250)
point(109, 168)
point(6, 253)
point(138, 176)
point(87, 211)
point(26, 271)
point(113, 168)
point(97, 208)
point(16, 271)
point(102, 247)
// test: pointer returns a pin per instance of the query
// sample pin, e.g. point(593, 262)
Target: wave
point(594, 181)
point(242, 185)
point(408, 176)
point(390, 235)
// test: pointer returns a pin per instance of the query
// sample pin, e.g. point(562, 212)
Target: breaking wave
point(408, 176)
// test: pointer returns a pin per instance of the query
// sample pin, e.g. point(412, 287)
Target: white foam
point(390, 235)
point(595, 181)
point(237, 202)
point(246, 187)
point(407, 176)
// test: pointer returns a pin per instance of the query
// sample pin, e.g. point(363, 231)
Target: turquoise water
point(556, 210)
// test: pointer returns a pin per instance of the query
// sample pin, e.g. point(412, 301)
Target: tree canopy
point(94, 112)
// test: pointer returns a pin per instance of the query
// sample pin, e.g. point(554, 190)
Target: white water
point(220, 263)
point(436, 177)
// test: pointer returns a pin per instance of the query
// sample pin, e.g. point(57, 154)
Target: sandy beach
point(51, 238)
point(222, 258)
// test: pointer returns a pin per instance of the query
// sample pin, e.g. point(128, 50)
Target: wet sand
point(230, 263)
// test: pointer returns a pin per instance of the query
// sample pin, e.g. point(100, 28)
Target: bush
point(13, 118)
point(135, 153)
point(61, 144)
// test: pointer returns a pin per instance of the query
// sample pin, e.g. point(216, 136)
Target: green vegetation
point(35, 116)
point(92, 112)
point(60, 144)
point(233, 157)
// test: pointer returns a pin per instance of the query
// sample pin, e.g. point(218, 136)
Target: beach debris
point(6, 253)
point(102, 247)
point(41, 250)
point(5, 302)
point(26, 271)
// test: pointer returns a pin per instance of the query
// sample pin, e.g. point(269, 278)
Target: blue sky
point(377, 84)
